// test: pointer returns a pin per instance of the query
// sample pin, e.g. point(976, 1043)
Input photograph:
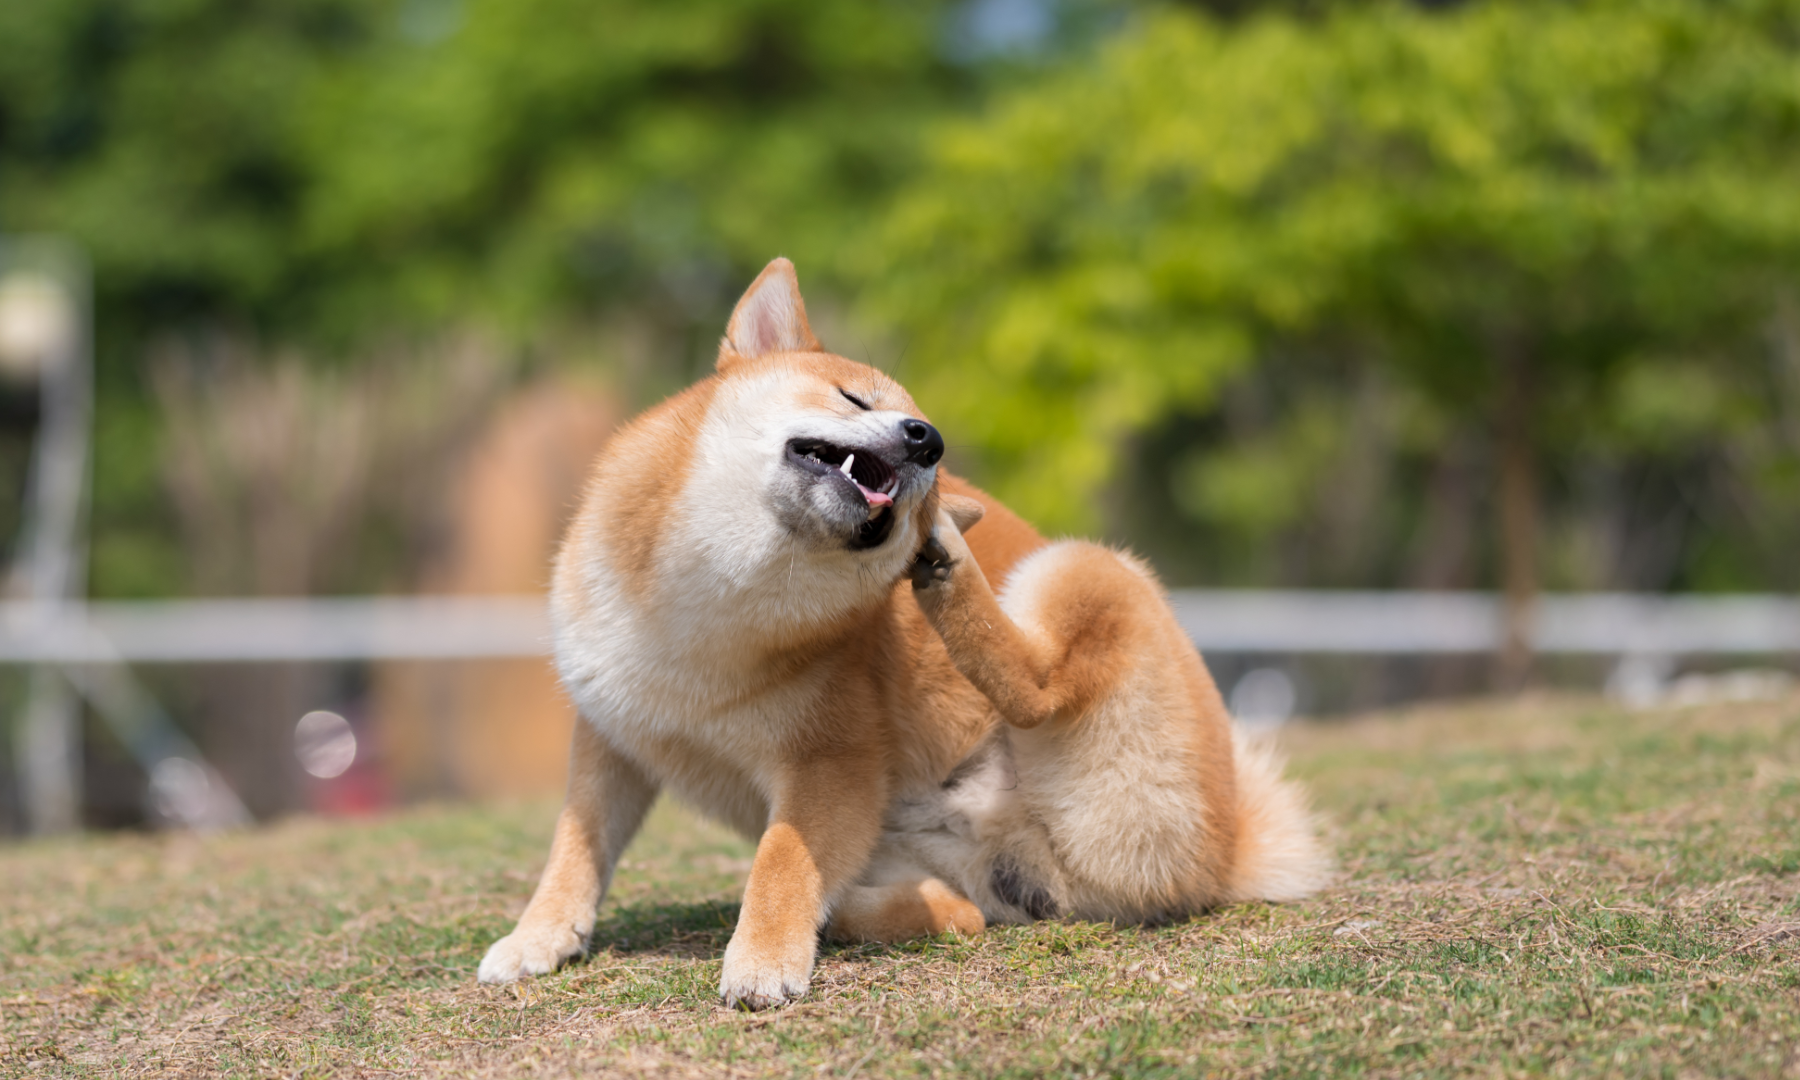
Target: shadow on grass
point(700, 931)
point(692, 930)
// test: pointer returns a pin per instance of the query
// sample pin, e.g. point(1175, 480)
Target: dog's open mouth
point(872, 477)
point(863, 470)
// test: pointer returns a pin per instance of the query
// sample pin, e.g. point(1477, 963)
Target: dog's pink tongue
point(877, 499)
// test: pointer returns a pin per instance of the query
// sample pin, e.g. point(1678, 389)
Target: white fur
point(644, 673)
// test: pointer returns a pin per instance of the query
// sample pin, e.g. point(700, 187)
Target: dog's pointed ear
point(770, 318)
point(962, 510)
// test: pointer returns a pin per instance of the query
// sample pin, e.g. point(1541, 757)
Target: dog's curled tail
point(1279, 856)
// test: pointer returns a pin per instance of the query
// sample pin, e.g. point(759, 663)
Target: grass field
point(1547, 886)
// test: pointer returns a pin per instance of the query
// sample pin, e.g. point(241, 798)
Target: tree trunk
point(1518, 515)
point(1445, 557)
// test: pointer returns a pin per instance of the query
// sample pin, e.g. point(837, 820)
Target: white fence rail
point(309, 629)
point(93, 646)
point(1219, 620)
point(1418, 623)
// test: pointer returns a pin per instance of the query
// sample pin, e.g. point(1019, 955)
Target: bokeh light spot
point(324, 744)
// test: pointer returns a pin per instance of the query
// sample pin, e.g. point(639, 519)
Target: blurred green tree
point(165, 137)
point(537, 158)
point(320, 170)
point(1510, 209)
point(332, 177)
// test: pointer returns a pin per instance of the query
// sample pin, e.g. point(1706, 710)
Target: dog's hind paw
point(536, 950)
point(932, 564)
point(943, 550)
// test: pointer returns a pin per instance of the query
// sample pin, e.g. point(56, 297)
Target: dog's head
point(836, 450)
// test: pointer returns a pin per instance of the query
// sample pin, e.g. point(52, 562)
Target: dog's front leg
point(608, 796)
point(823, 824)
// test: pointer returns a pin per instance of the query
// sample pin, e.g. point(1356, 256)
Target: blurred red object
point(359, 791)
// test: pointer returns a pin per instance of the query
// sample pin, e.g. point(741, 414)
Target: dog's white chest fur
point(676, 677)
point(671, 692)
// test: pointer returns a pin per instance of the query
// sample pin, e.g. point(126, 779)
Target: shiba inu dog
point(768, 605)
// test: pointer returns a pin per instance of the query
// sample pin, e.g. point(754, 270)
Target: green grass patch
point(1544, 887)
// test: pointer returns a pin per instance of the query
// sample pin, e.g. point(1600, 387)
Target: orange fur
point(721, 644)
point(908, 909)
point(640, 480)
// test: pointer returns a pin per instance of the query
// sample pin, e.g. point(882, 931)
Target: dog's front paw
point(758, 978)
point(529, 950)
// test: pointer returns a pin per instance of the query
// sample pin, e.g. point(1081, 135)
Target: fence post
point(44, 337)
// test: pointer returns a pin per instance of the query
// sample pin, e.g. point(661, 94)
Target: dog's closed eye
point(853, 399)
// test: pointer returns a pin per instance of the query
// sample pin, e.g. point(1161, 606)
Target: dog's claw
point(751, 1002)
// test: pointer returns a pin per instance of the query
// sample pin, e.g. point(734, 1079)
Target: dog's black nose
point(924, 446)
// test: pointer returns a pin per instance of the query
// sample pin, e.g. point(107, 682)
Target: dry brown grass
point(1539, 887)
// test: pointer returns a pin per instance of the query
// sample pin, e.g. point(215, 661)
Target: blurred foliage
point(322, 170)
point(328, 179)
point(1232, 285)
point(1381, 201)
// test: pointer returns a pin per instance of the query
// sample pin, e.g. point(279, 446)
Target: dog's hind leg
point(608, 796)
point(1030, 677)
point(901, 911)
point(1121, 746)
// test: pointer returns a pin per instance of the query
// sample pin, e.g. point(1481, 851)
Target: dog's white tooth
point(845, 467)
